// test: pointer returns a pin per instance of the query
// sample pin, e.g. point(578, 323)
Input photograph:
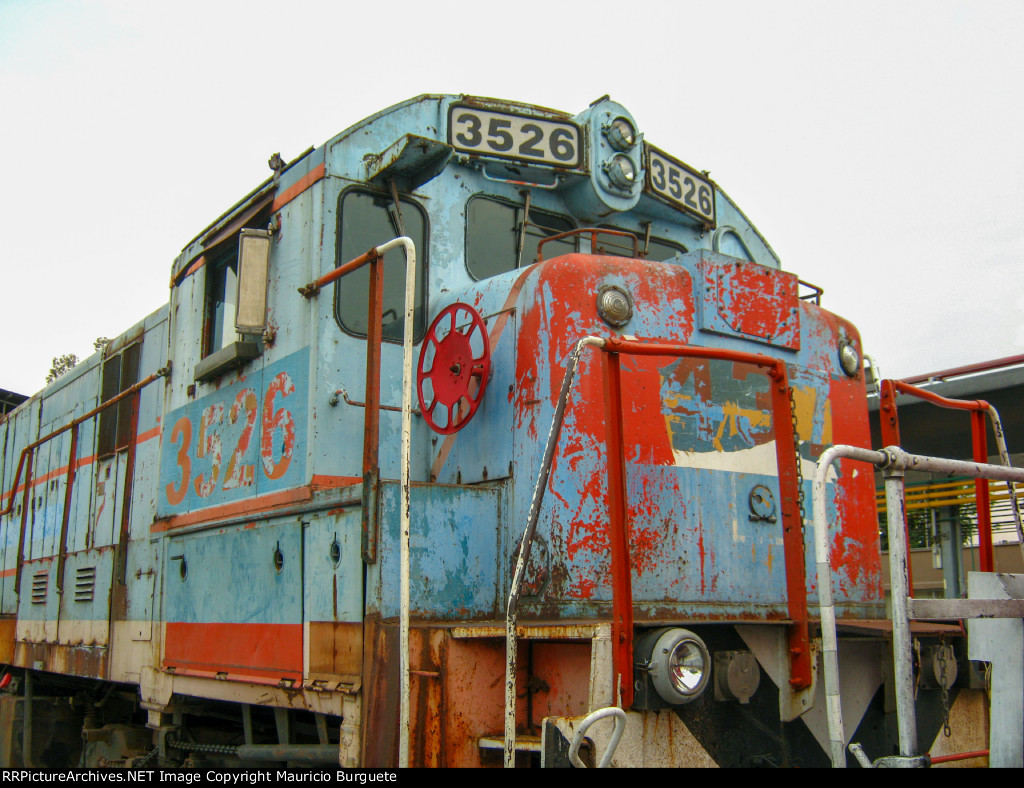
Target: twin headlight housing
point(616, 153)
point(621, 167)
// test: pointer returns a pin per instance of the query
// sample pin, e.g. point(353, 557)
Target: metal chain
point(799, 460)
point(920, 666)
point(146, 759)
point(946, 731)
point(220, 749)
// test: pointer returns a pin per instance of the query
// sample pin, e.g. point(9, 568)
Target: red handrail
point(371, 416)
point(889, 420)
point(25, 461)
point(789, 484)
point(593, 232)
point(959, 756)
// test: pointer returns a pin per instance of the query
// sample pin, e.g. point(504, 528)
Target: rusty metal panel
point(380, 694)
point(7, 627)
point(741, 298)
point(335, 649)
point(473, 689)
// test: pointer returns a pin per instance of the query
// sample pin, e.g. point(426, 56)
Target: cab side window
point(221, 300)
point(497, 241)
point(365, 220)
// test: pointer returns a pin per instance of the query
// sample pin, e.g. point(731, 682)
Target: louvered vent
point(39, 582)
point(85, 583)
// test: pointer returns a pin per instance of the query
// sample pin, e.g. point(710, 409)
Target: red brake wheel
point(455, 363)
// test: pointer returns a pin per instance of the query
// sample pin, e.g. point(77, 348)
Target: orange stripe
point(199, 263)
point(299, 187)
point(243, 651)
point(331, 482)
point(256, 505)
point(9, 572)
point(142, 437)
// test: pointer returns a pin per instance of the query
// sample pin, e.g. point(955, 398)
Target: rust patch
point(335, 648)
point(7, 627)
point(427, 663)
point(73, 660)
point(381, 698)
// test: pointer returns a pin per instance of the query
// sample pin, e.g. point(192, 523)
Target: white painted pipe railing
point(823, 560)
point(407, 387)
point(894, 462)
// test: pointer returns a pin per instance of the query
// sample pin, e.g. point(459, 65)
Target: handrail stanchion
point(823, 560)
point(312, 289)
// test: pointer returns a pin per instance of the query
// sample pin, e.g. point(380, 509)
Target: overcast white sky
point(878, 146)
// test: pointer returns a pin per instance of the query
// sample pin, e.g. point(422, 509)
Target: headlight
point(678, 665)
point(849, 358)
point(621, 171)
point(620, 134)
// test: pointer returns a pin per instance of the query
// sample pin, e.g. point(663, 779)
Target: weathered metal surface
point(259, 547)
point(959, 609)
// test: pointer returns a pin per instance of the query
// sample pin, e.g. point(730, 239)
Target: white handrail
point(407, 384)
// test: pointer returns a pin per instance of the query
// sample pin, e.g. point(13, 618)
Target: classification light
point(614, 306)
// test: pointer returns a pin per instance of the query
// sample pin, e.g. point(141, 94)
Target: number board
point(680, 185)
point(522, 137)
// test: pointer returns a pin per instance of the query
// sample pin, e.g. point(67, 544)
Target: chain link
point(146, 759)
point(799, 460)
point(220, 749)
point(946, 731)
point(920, 666)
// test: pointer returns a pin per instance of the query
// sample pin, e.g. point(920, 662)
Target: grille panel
point(85, 583)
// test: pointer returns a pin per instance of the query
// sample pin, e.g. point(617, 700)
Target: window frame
point(517, 206)
point(219, 257)
point(422, 262)
point(113, 431)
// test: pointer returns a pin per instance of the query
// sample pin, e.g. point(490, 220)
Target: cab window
point(221, 300)
point(365, 220)
point(495, 233)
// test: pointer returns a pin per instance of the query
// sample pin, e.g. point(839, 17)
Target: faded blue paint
point(454, 540)
point(231, 575)
point(222, 417)
point(333, 590)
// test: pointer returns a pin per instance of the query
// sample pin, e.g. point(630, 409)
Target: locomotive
point(430, 501)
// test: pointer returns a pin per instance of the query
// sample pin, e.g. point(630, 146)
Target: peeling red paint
point(583, 587)
point(645, 545)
